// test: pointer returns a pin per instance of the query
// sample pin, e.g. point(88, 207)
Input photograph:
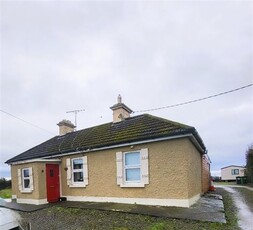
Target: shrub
point(5, 183)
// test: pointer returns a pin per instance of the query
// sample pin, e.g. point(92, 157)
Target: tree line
point(249, 163)
point(5, 183)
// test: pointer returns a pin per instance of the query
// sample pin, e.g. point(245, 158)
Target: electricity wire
point(27, 122)
point(193, 101)
point(146, 110)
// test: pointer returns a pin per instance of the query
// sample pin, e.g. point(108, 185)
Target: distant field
point(225, 183)
point(5, 193)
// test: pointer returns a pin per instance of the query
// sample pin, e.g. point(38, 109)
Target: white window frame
point(235, 170)
point(71, 171)
point(126, 167)
point(21, 180)
point(77, 170)
point(144, 169)
point(25, 179)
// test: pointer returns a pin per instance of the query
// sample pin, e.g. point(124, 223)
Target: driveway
point(8, 219)
point(245, 215)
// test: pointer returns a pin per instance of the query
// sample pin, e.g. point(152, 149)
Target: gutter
point(123, 145)
point(197, 145)
point(190, 136)
point(37, 160)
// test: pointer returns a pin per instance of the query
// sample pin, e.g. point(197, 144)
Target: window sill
point(77, 185)
point(26, 191)
point(136, 185)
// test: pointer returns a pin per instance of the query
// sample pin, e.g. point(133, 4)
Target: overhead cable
point(193, 101)
point(27, 122)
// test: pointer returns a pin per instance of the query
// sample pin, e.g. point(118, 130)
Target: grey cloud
point(62, 55)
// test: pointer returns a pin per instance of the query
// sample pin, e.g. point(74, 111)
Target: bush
point(5, 183)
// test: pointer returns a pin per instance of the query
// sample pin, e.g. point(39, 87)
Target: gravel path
point(56, 217)
point(72, 218)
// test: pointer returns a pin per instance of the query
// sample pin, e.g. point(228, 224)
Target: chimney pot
point(119, 99)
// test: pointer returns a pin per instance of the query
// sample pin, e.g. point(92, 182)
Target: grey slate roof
point(138, 128)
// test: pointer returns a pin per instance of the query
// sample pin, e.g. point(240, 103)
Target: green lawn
point(225, 183)
point(5, 193)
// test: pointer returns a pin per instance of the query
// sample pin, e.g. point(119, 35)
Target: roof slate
point(138, 128)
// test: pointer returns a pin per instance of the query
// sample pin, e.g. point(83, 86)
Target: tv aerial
point(75, 112)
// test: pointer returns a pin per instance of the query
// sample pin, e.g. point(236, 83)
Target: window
point(51, 173)
point(235, 171)
point(132, 168)
point(77, 172)
point(25, 180)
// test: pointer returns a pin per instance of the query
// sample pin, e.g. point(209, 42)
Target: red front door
point(53, 185)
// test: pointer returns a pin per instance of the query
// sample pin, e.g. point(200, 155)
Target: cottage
point(141, 159)
point(229, 173)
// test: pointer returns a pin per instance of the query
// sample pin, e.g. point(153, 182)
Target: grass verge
point(5, 193)
point(247, 195)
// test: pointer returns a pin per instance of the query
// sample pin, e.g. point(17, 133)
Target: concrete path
point(245, 215)
point(21, 207)
point(240, 186)
point(8, 219)
point(208, 208)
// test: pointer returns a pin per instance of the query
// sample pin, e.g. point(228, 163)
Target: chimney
point(65, 126)
point(120, 111)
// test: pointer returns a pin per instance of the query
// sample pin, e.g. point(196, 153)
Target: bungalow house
point(230, 172)
point(141, 159)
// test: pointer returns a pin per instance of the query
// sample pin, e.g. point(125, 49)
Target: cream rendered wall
point(194, 170)
point(39, 181)
point(174, 172)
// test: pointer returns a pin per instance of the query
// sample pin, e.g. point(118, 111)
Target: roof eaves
point(238, 166)
point(122, 145)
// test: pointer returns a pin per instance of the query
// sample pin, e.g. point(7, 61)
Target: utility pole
point(76, 111)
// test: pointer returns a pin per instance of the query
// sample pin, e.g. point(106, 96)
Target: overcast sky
point(58, 56)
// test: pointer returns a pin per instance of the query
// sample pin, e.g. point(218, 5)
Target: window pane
point(78, 176)
point(27, 183)
point(133, 174)
point(78, 163)
point(235, 171)
point(132, 158)
point(26, 172)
